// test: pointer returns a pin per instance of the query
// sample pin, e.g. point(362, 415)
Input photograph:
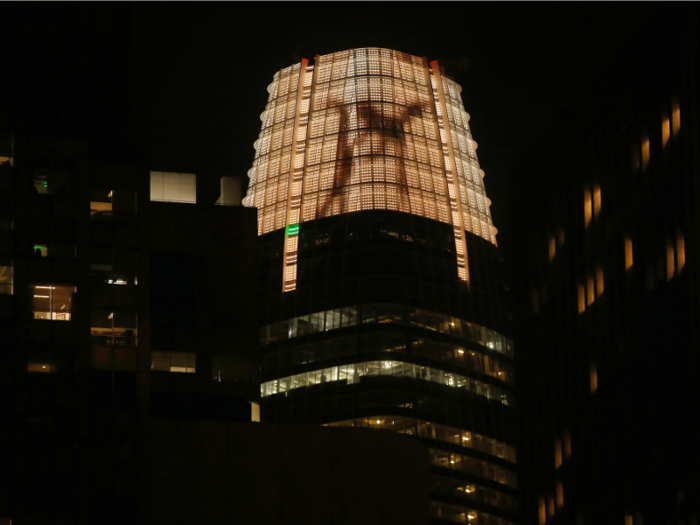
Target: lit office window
point(599, 282)
point(560, 495)
point(183, 362)
point(114, 328)
point(581, 298)
point(542, 511)
point(6, 277)
point(665, 130)
point(645, 151)
point(670, 261)
point(40, 367)
point(676, 117)
point(567, 444)
point(597, 200)
point(587, 207)
point(680, 251)
point(255, 412)
point(590, 289)
point(550, 506)
point(52, 302)
point(593, 378)
point(629, 259)
point(557, 453)
point(173, 187)
point(552, 247)
point(628, 519)
point(101, 204)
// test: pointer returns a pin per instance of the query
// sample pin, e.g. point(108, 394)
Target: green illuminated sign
point(293, 229)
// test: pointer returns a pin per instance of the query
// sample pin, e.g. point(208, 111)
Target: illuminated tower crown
point(366, 129)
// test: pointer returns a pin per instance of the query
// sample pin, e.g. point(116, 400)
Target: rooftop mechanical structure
point(383, 304)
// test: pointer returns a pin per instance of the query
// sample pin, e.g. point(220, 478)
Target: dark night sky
point(202, 70)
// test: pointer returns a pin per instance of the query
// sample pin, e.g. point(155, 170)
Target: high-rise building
point(606, 304)
point(382, 300)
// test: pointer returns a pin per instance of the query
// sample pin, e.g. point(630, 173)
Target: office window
point(628, 519)
point(40, 366)
point(590, 289)
point(550, 506)
point(629, 260)
point(114, 328)
point(680, 251)
point(234, 368)
point(52, 182)
point(665, 130)
point(557, 453)
point(581, 298)
point(101, 204)
point(587, 207)
point(552, 247)
point(182, 362)
point(6, 277)
point(597, 200)
point(593, 378)
point(115, 267)
point(599, 282)
point(173, 187)
point(542, 511)
point(676, 117)
point(670, 261)
point(645, 151)
point(560, 495)
point(52, 302)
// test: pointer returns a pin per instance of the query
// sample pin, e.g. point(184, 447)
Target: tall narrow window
point(542, 511)
point(670, 261)
point(550, 506)
point(587, 207)
point(665, 130)
point(599, 282)
point(552, 247)
point(597, 200)
point(645, 151)
point(590, 289)
point(628, 519)
point(560, 495)
point(629, 260)
point(676, 117)
point(581, 299)
point(594, 378)
point(680, 251)
point(557, 453)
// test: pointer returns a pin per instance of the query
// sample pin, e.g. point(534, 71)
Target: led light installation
point(366, 129)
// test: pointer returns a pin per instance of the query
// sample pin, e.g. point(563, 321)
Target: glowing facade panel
point(366, 129)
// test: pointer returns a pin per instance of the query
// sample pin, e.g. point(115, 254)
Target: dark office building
point(382, 301)
point(605, 273)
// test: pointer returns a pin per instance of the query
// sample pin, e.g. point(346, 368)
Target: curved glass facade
point(382, 302)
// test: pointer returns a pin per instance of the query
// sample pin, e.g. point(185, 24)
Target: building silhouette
point(605, 259)
point(382, 304)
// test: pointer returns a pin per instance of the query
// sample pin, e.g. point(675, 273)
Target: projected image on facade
point(367, 129)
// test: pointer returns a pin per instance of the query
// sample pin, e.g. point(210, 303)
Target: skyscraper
point(383, 304)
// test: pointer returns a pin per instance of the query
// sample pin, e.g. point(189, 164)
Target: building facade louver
point(383, 303)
